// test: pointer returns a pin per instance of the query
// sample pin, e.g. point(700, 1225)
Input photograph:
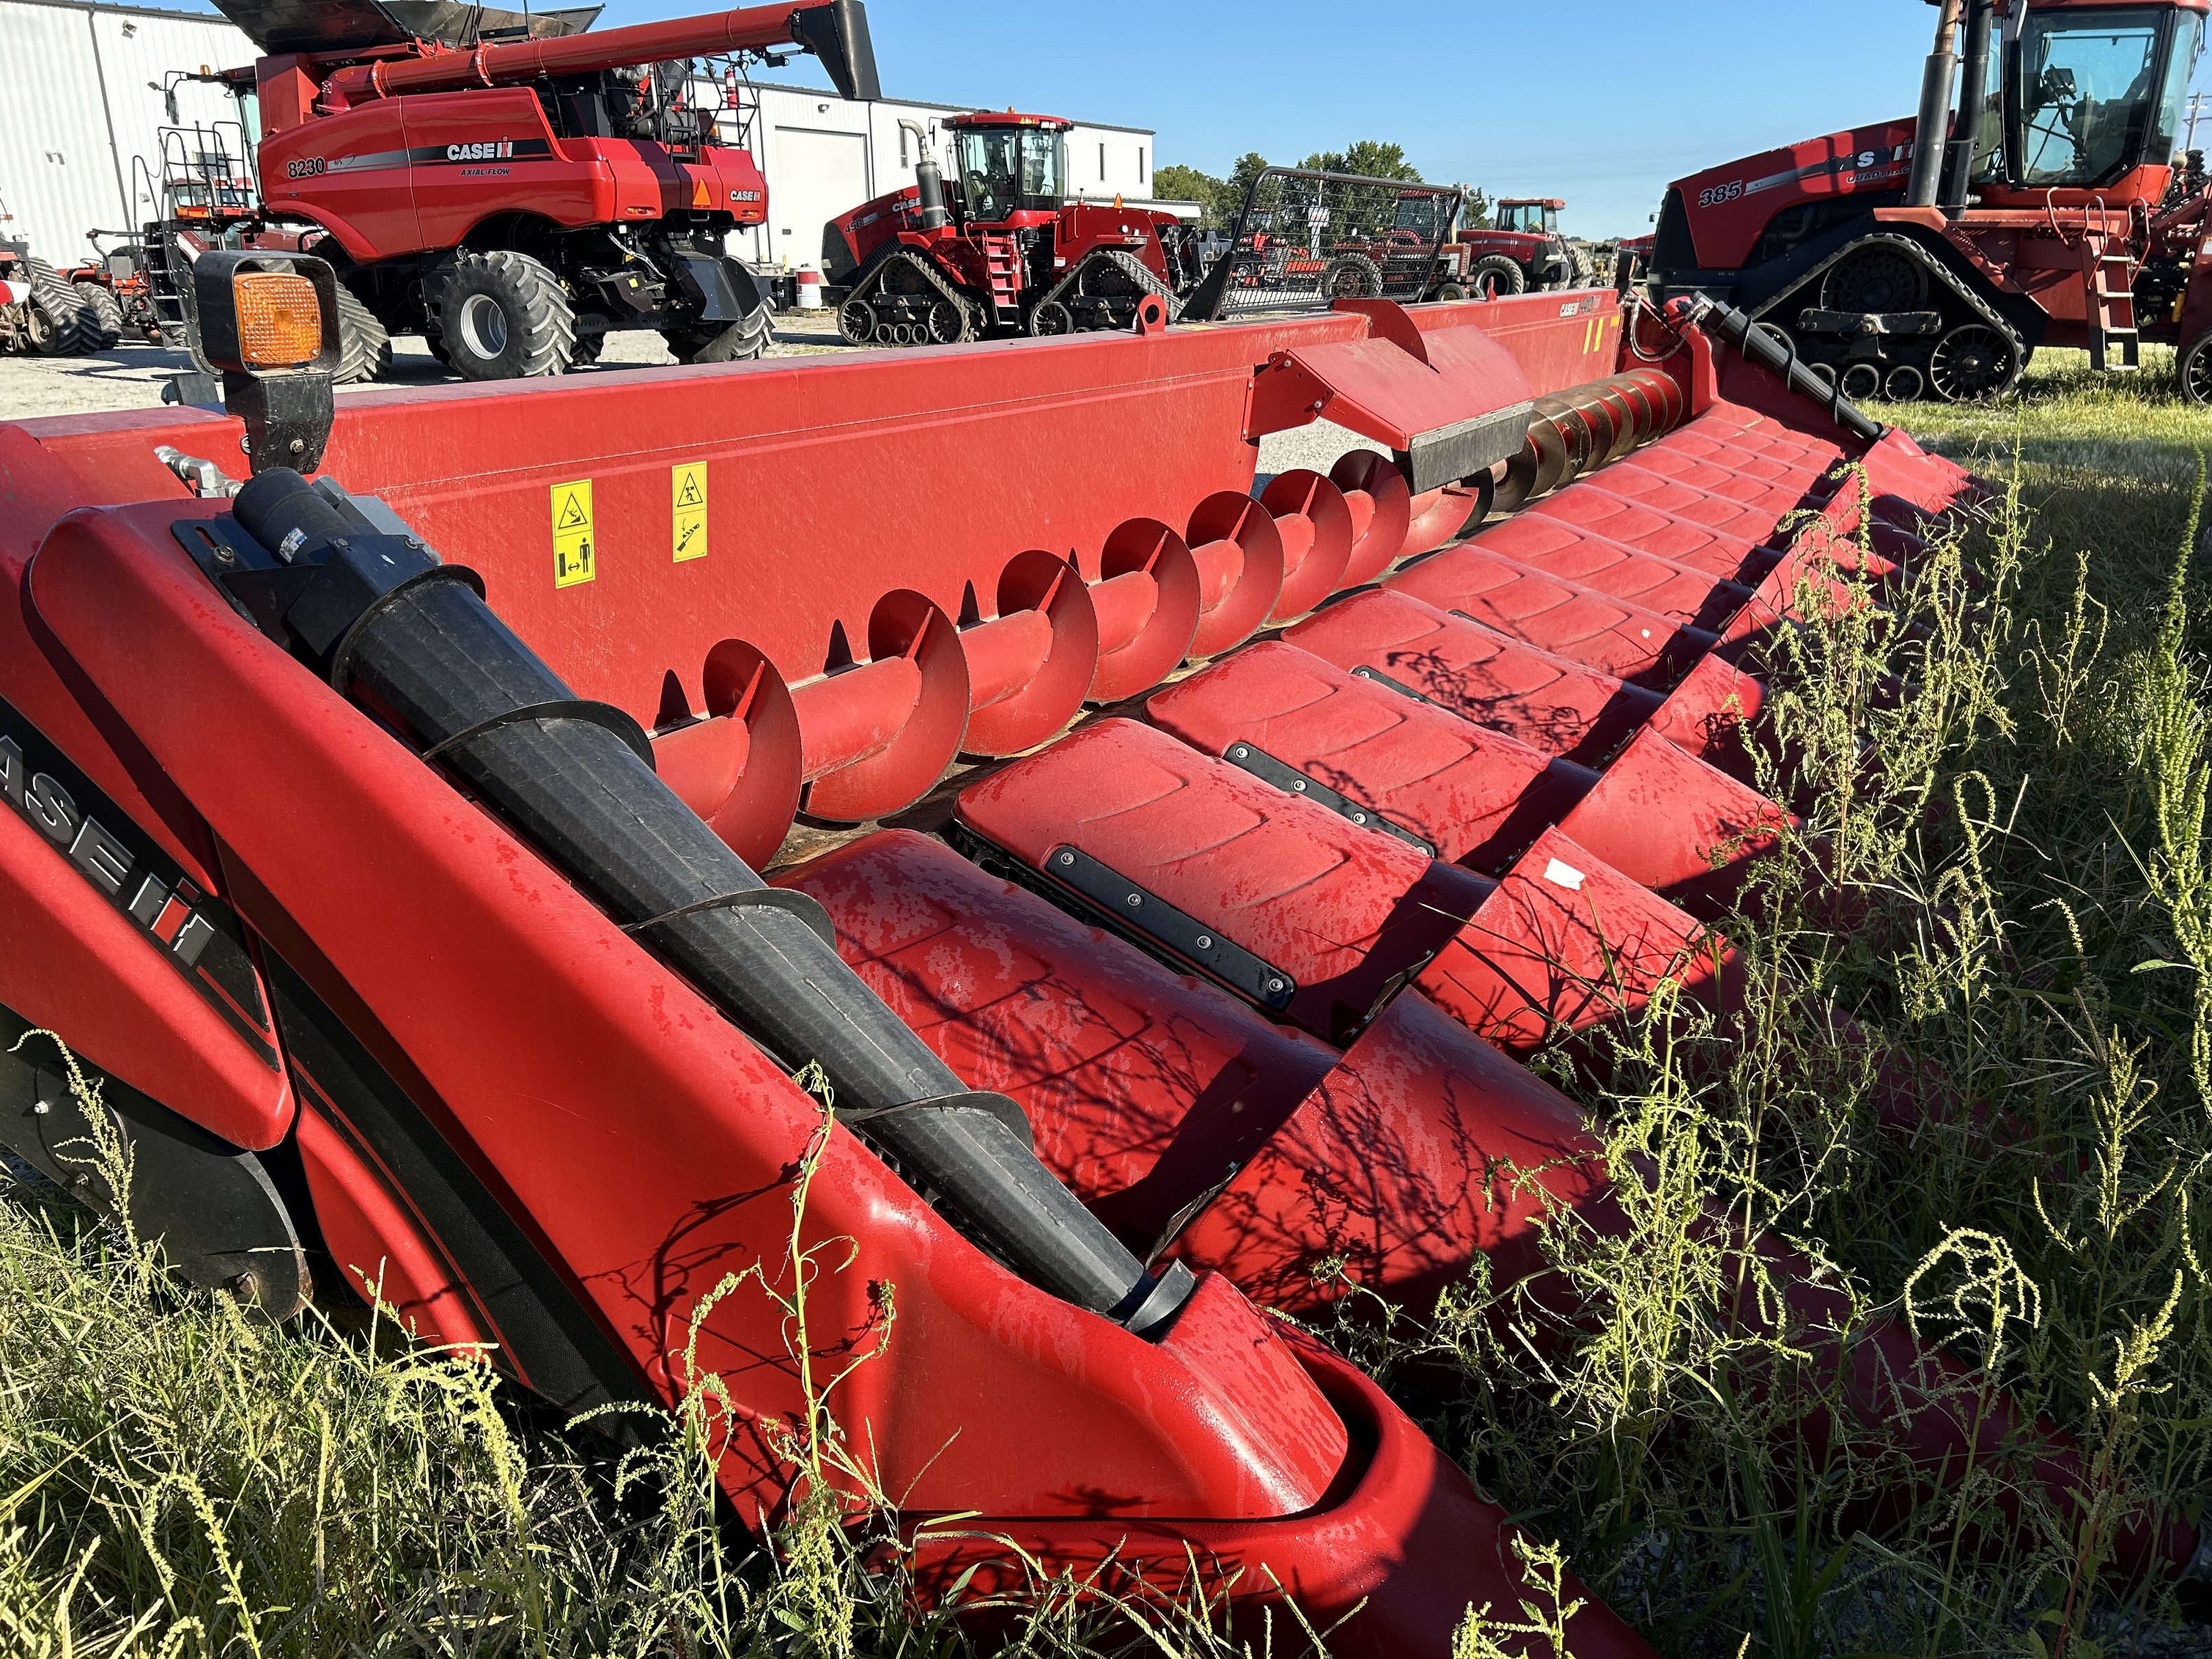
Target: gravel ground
point(132, 377)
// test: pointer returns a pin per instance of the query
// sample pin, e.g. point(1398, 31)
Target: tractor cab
point(1009, 169)
point(2085, 97)
point(1530, 218)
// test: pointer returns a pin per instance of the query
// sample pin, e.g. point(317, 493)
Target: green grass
point(2022, 850)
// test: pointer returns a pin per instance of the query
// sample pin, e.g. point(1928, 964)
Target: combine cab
point(510, 187)
point(1897, 263)
point(407, 851)
point(997, 248)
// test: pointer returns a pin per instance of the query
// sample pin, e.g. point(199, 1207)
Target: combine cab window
point(2101, 91)
point(1005, 170)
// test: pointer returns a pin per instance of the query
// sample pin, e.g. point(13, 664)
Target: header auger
point(411, 851)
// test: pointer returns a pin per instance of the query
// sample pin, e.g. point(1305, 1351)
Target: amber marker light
point(280, 320)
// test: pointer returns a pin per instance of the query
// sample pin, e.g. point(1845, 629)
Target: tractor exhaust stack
point(1929, 138)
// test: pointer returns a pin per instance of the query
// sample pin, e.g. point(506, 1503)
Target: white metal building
point(80, 100)
point(81, 104)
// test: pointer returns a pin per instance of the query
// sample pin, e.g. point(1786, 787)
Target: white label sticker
point(1563, 875)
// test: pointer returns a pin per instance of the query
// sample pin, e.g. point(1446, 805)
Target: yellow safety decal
point(575, 548)
point(687, 495)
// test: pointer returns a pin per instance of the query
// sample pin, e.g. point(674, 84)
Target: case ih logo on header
point(193, 931)
point(502, 149)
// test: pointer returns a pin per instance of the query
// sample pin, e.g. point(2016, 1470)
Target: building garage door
point(819, 175)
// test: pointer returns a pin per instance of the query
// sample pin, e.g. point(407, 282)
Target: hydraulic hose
point(576, 780)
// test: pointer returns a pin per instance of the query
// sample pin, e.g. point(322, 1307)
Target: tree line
point(1222, 198)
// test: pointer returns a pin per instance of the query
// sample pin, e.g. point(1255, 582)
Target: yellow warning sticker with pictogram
point(687, 495)
point(575, 546)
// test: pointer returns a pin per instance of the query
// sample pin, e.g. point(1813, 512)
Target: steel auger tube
point(567, 777)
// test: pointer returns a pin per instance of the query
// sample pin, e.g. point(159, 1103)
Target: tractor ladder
point(1002, 268)
point(2109, 306)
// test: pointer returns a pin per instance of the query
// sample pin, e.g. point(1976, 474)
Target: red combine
point(391, 846)
point(997, 247)
point(1934, 257)
point(516, 200)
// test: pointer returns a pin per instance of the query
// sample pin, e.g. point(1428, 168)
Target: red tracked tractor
point(391, 845)
point(514, 191)
point(997, 247)
point(1932, 258)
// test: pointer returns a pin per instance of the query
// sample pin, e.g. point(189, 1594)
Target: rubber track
point(108, 314)
point(1937, 268)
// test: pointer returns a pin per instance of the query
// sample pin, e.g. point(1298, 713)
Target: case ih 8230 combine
point(1932, 258)
point(390, 846)
point(517, 200)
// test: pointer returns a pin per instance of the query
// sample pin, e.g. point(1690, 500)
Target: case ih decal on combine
point(1155, 1016)
point(512, 190)
point(1930, 258)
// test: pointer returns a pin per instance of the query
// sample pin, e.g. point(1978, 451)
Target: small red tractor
point(513, 191)
point(114, 285)
point(997, 247)
point(1523, 251)
point(1934, 256)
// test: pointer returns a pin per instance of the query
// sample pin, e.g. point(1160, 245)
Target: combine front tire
point(106, 314)
point(1495, 276)
point(63, 326)
point(504, 316)
point(364, 345)
point(1351, 277)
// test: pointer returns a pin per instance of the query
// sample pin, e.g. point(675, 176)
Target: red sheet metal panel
point(1582, 624)
point(1554, 706)
point(1475, 795)
point(1344, 914)
point(1566, 944)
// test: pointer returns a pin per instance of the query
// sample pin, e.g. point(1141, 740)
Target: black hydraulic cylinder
point(1973, 79)
point(1931, 133)
point(569, 779)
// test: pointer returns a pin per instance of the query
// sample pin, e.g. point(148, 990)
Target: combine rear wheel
point(1973, 362)
point(505, 316)
point(62, 324)
point(106, 314)
point(737, 341)
point(1494, 275)
point(1351, 277)
point(364, 346)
